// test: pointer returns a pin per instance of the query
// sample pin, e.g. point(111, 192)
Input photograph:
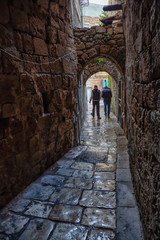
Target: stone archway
point(92, 67)
point(102, 42)
point(107, 42)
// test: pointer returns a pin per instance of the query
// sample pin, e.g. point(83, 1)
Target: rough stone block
point(100, 199)
point(40, 46)
point(13, 223)
point(37, 27)
point(66, 213)
point(66, 196)
point(52, 34)
point(91, 217)
point(69, 232)
point(101, 234)
point(20, 22)
point(38, 229)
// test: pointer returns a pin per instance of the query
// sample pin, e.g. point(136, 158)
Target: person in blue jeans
point(107, 95)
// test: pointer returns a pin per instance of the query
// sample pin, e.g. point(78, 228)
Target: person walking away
point(107, 95)
point(95, 97)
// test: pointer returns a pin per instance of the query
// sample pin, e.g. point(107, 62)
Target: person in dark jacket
point(95, 97)
point(107, 95)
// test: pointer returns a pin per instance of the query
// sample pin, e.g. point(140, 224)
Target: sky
point(102, 2)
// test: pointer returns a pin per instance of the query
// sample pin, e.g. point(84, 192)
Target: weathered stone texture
point(35, 98)
point(142, 36)
point(101, 42)
point(98, 42)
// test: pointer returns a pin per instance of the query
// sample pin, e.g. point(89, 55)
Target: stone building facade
point(142, 36)
point(38, 90)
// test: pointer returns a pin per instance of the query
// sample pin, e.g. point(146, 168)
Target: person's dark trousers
point(105, 108)
point(95, 104)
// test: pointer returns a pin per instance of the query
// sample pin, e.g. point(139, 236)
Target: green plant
point(108, 36)
point(101, 60)
point(101, 16)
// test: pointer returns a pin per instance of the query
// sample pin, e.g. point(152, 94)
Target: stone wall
point(37, 101)
point(142, 33)
point(106, 43)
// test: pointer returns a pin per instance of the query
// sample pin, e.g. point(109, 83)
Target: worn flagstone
point(52, 180)
point(66, 213)
point(12, 223)
point(82, 165)
point(39, 192)
point(98, 199)
point(105, 167)
point(105, 218)
point(101, 184)
point(78, 183)
point(105, 175)
point(39, 209)
point(38, 229)
point(66, 196)
point(65, 172)
point(69, 232)
point(83, 173)
point(101, 235)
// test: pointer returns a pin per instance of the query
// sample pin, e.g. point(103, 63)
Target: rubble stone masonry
point(37, 101)
point(142, 35)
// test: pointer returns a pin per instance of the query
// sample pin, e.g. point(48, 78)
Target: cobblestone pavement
point(86, 195)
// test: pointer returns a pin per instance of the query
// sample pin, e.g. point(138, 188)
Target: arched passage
point(106, 43)
point(102, 79)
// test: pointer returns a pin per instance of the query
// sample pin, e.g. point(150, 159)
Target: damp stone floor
point(87, 195)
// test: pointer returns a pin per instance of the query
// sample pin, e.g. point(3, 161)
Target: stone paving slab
point(66, 196)
point(38, 229)
point(12, 223)
point(66, 213)
point(65, 163)
point(101, 184)
point(52, 180)
point(38, 209)
point(83, 174)
point(82, 166)
point(123, 175)
point(105, 167)
point(20, 206)
point(105, 175)
point(65, 172)
point(125, 195)
point(101, 235)
point(128, 224)
point(69, 232)
point(39, 192)
point(99, 218)
point(122, 164)
point(98, 199)
point(78, 183)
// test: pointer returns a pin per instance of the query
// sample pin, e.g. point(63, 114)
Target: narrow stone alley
point(87, 194)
